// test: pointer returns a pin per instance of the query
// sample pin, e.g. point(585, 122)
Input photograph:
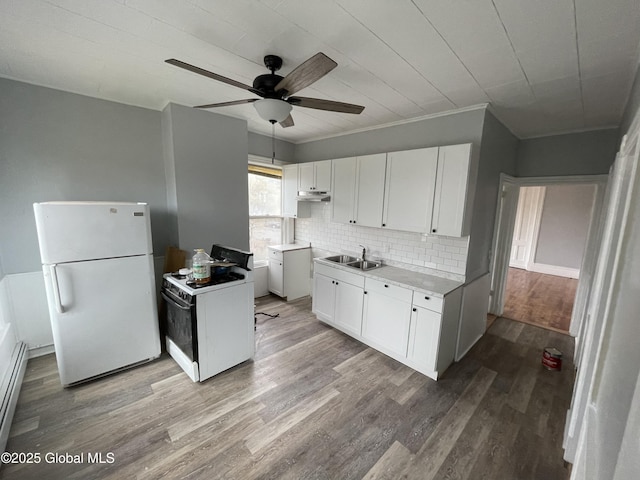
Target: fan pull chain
point(273, 143)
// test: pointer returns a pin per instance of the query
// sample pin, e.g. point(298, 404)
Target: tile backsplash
point(443, 256)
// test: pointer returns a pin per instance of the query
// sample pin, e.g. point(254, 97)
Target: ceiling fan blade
point(321, 104)
point(306, 73)
point(287, 122)
point(207, 73)
point(226, 104)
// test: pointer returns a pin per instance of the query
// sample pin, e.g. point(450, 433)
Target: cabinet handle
point(434, 230)
point(337, 283)
point(384, 224)
point(386, 286)
point(415, 309)
point(427, 298)
point(333, 281)
point(365, 293)
point(354, 221)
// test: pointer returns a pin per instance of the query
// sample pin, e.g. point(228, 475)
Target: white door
point(323, 297)
point(370, 191)
point(343, 197)
point(289, 191)
point(348, 307)
point(276, 277)
point(424, 337)
point(526, 227)
point(306, 181)
point(323, 176)
point(450, 196)
point(103, 315)
point(77, 231)
point(386, 322)
point(409, 189)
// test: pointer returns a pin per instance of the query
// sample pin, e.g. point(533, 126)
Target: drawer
point(425, 300)
point(394, 291)
point(339, 274)
point(275, 254)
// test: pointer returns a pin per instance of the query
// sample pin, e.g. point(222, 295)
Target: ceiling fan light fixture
point(272, 110)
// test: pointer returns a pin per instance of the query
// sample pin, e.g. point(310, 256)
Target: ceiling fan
point(275, 90)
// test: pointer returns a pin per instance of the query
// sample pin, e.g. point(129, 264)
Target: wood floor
point(314, 404)
point(539, 299)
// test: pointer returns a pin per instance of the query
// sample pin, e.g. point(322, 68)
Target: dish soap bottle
point(200, 264)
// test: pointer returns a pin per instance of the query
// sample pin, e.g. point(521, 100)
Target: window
point(265, 209)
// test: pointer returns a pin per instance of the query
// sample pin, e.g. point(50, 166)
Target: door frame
point(503, 235)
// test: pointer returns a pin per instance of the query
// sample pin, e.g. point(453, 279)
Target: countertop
point(289, 246)
point(429, 284)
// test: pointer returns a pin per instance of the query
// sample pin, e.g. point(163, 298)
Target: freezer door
point(77, 231)
point(103, 315)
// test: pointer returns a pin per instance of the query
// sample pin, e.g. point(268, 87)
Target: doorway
point(549, 239)
point(541, 273)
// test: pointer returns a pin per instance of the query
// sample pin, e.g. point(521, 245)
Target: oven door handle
point(173, 302)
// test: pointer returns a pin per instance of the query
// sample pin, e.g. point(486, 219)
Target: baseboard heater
point(10, 389)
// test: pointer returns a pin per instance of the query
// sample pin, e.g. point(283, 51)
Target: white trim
point(555, 270)
point(258, 160)
point(539, 195)
point(570, 132)
point(482, 106)
point(10, 389)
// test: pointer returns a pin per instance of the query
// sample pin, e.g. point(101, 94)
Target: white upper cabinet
point(315, 176)
point(370, 190)
point(426, 190)
point(409, 189)
point(452, 184)
point(343, 195)
point(358, 190)
point(289, 191)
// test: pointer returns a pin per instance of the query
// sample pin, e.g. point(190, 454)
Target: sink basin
point(364, 264)
point(342, 259)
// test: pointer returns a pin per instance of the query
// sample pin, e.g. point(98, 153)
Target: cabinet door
point(409, 190)
point(306, 181)
point(323, 297)
point(289, 191)
point(323, 176)
point(348, 307)
point(451, 191)
point(424, 337)
point(276, 277)
point(343, 196)
point(386, 322)
point(370, 190)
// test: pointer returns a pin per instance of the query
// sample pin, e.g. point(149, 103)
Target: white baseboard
point(555, 270)
point(10, 389)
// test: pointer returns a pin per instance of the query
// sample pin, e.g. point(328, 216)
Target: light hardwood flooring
point(314, 404)
point(539, 299)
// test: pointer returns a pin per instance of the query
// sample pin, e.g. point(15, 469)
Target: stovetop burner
point(216, 280)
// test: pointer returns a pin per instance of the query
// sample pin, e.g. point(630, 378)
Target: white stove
point(210, 328)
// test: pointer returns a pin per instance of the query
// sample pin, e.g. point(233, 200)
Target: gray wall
point(633, 104)
point(261, 146)
point(564, 225)
point(586, 153)
point(211, 188)
point(451, 129)
point(497, 155)
point(61, 146)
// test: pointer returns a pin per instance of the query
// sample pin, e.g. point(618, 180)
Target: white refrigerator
point(97, 260)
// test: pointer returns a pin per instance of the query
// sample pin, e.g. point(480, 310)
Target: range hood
point(313, 196)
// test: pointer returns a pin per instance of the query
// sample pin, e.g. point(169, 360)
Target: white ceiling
point(545, 66)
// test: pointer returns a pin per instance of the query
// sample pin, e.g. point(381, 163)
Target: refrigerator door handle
point(56, 289)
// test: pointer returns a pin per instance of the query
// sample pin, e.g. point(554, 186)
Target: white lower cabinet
point(337, 298)
point(434, 332)
point(413, 327)
point(289, 271)
point(386, 316)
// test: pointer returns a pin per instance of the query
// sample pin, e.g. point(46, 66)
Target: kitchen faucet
point(364, 252)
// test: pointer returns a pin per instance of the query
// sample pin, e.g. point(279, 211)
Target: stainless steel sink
point(364, 264)
point(342, 259)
